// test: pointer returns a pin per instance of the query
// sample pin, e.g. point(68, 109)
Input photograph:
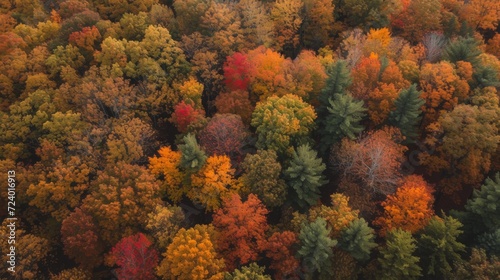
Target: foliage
point(135, 257)
point(191, 255)
point(316, 249)
point(250, 272)
point(261, 176)
point(167, 166)
point(484, 202)
point(406, 115)
point(479, 266)
point(358, 239)
point(338, 216)
point(241, 236)
point(396, 258)
point(192, 156)
point(278, 249)
point(164, 222)
point(305, 175)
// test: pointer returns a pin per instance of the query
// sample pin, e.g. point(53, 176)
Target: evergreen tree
point(484, 203)
point(490, 242)
point(406, 116)
point(438, 246)
point(485, 76)
point(358, 239)
point(396, 258)
point(250, 272)
point(316, 250)
point(343, 119)
point(305, 175)
point(193, 157)
point(463, 49)
point(339, 79)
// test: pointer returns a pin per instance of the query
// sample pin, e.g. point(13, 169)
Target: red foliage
point(135, 258)
point(241, 227)
point(9, 41)
point(86, 38)
point(278, 249)
point(184, 114)
point(236, 72)
point(80, 239)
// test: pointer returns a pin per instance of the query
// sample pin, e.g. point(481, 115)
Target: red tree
point(236, 72)
point(135, 258)
point(278, 249)
point(241, 227)
point(184, 114)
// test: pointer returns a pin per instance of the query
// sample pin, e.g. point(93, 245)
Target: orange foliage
point(278, 249)
point(493, 46)
point(167, 166)
point(241, 236)
point(365, 76)
point(381, 102)
point(410, 208)
point(483, 14)
point(85, 39)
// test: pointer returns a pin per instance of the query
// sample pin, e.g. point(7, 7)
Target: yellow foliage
point(338, 216)
point(191, 91)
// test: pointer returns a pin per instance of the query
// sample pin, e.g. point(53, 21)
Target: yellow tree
point(192, 256)
point(287, 18)
point(338, 216)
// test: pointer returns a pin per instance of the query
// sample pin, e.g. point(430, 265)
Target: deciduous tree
point(279, 249)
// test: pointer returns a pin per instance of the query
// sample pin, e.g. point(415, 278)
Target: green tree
point(282, 121)
point(406, 116)
point(343, 120)
point(261, 177)
point(490, 241)
point(316, 250)
point(305, 175)
point(484, 203)
point(193, 157)
point(463, 49)
point(438, 246)
point(249, 272)
point(358, 239)
point(339, 79)
point(396, 258)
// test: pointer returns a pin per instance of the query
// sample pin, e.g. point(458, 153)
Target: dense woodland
point(287, 139)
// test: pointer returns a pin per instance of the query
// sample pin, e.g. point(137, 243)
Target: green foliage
point(343, 120)
point(406, 116)
point(396, 258)
point(261, 177)
point(305, 175)
point(484, 202)
point(193, 157)
point(485, 76)
point(463, 49)
point(490, 242)
point(339, 79)
point(316, 250)
point(358, 239)
point(249, 272)
point(438, 246)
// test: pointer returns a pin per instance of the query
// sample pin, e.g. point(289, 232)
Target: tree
point(81, 240)
point(135, 257)
point(184, 115)
point(361, 13)
point(250, 272)
point(192, 156)
point(191, 256)
point(396, 258)
point(438, 246)
point(278, 248)
point(307, 76)
point(167, 166)
point(463, 49)
point(122, 195)
point(236, 76)
point(261, 176)
point(482, 14)
point(479, 266)
point(409, 209)
point(282, 121)
point(484, 203)
point(287, 18)
point(316, 249)
point(224, 134)
point(358, 239)
point(164, 222)
point(305, 175)
point(406, 115)
point(420, 18)
point(73, 274)
point(256, 23)
point(365, 76)
point(374, 160)
point(380, 102)
point(235, 102)
point(213, 182)
point(337, 82)
point(317, 25)
point(241, 236)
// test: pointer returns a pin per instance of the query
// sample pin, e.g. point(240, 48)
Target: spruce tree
point(396, 258)
point(193, 157)
point(342, 120)
point(406, 116)
point(317, 249)
point(490, 242)
point(339, 78)
point(358, 239)
point(305, 175)
point(438, 246)
point(463, 49)
point(485, 203)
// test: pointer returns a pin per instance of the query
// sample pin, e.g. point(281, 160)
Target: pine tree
point(464, 49)
point(358, 239)
point(249, 272)
point(396, 258)
point(193, 157)
point(316, 250)
point(305, 175)
point(339, 79)
point(407, 113)
point(490, 242)
point(484, 203)
point(438, 246)
point(343, 119)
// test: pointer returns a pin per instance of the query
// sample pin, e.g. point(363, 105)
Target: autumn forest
point(250, 139)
